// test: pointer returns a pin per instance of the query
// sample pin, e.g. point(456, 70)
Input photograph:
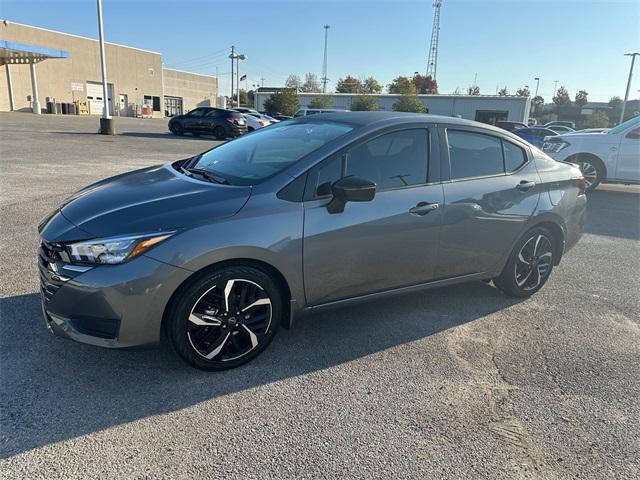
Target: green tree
point(320, 102)
point(348, 84)
point(581, 98)
point(523, 92)
point(598, 119)
point(403, 86)
point(538, 105)
point(425, 84)
point(475, 90)
point(562, 97)
point(371, 85)
point(285, 102)
point(409, 103)
point(311, 84)
point(615, 102)
point(503, 92)
point(364, 103)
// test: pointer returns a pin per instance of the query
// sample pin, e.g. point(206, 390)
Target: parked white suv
point(613, 156)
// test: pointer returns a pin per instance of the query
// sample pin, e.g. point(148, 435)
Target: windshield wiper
point(212, 177)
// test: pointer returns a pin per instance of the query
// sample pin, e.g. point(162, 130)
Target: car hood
point(582, 137)
point(148, 200)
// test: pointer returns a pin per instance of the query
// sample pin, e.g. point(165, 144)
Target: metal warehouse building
point(45, 65)
point(482, 108)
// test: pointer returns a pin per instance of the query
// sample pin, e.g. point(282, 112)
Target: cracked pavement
point(458, 382)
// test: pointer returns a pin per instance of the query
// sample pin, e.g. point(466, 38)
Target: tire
point(530, 264)
point(177, 130)
point(195, 134)
point(250, 129)
point(210, 334)
point(219, 133)
point(592, 170)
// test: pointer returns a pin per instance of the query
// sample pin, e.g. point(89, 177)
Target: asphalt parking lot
point(459, 382)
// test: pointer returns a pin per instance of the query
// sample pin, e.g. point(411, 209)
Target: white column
point(34, 89)
point(12, 106)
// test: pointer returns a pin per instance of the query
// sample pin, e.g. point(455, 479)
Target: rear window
point(474, 154)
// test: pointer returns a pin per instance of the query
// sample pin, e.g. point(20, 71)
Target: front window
point(253, 158)
point(623, 126)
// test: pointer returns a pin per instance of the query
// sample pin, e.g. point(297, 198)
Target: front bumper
point(115, 306)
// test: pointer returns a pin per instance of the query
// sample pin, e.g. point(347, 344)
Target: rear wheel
point(529, 265)
point(225, 319)
point(219, 133)
point(592, 170)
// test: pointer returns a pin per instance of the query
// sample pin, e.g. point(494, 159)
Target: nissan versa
point(223, 248)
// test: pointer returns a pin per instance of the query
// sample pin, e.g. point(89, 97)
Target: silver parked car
point(321, 211)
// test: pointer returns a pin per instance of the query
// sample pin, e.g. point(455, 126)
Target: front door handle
point(422, 208)
point(525, 186)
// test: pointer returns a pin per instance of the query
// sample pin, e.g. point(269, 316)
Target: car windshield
point(265, 152)
point(632, 122)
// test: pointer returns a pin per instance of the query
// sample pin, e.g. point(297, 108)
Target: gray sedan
point(322, 211)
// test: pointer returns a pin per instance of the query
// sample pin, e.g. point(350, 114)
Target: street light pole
point(106, 122)
point(626, 94)
point(232, 56)
point(537, 79)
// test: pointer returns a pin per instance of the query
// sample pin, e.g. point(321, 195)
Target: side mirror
point(350, 189)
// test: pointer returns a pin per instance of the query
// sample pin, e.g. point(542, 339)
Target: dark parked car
point(277, 115)
point(218, 122)
point(510, 126)
point(534, 135)
point(317, 212)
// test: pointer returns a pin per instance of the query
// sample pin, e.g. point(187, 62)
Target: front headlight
point(554, 147)
point(113, 250)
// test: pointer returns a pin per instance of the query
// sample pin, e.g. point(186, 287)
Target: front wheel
point(177, 129)
point(529, 265)
point(226, 318)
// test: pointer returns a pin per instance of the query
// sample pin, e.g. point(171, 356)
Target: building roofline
point(78, 36)
point(191, 73)
point(328, 94)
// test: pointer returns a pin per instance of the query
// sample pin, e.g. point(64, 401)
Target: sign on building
point(77, 87)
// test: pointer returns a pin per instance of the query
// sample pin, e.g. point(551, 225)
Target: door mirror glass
point(350, 189)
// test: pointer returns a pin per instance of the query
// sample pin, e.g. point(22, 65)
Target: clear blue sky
point(580, 43)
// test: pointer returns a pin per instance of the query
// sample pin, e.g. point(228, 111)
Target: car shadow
point(605, 207)
point(54, 389)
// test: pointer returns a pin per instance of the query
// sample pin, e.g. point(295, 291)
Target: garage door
point(95, 100)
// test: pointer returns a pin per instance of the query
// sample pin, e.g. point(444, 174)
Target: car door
point(386, 243)
point(191, 121)
point(493, 190)
point(628, 167)
point(210, 120)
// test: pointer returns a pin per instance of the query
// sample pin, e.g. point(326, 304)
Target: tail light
point(582, 186)
point(232, 120)
point(261, 123)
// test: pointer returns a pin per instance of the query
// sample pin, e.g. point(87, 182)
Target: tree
point(523, 92)
point(562, 97)
point(503, 92)
point(409, 103)
point(365, 103)
point(403, 86)
point(473, 90)
point(538, 105)
point(311, 84)
point(371, 85)
point(581, 98)
point(285, 102)
point(244, 98)
point(425, 84)
point(320, 102)
point(293, 81)
point(348, 84)
point(598, 119)
point(615, 102)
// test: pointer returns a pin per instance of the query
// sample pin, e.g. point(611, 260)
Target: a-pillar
point(34, 89)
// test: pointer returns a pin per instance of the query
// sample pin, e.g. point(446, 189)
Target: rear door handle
point(422, 208)
point(525, 186)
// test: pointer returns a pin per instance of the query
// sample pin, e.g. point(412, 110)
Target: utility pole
point(555, 87)
point(262, 81)
point(232, 56)
point(626, 94)
point(106, 122)
point(432, 62)
point(324, 62)
point(537, 79)
point(239, 56)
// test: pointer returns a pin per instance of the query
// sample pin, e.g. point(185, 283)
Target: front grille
point(49, 254)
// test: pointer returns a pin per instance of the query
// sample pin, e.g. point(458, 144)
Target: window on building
point(152, 101)
point(474, 154)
